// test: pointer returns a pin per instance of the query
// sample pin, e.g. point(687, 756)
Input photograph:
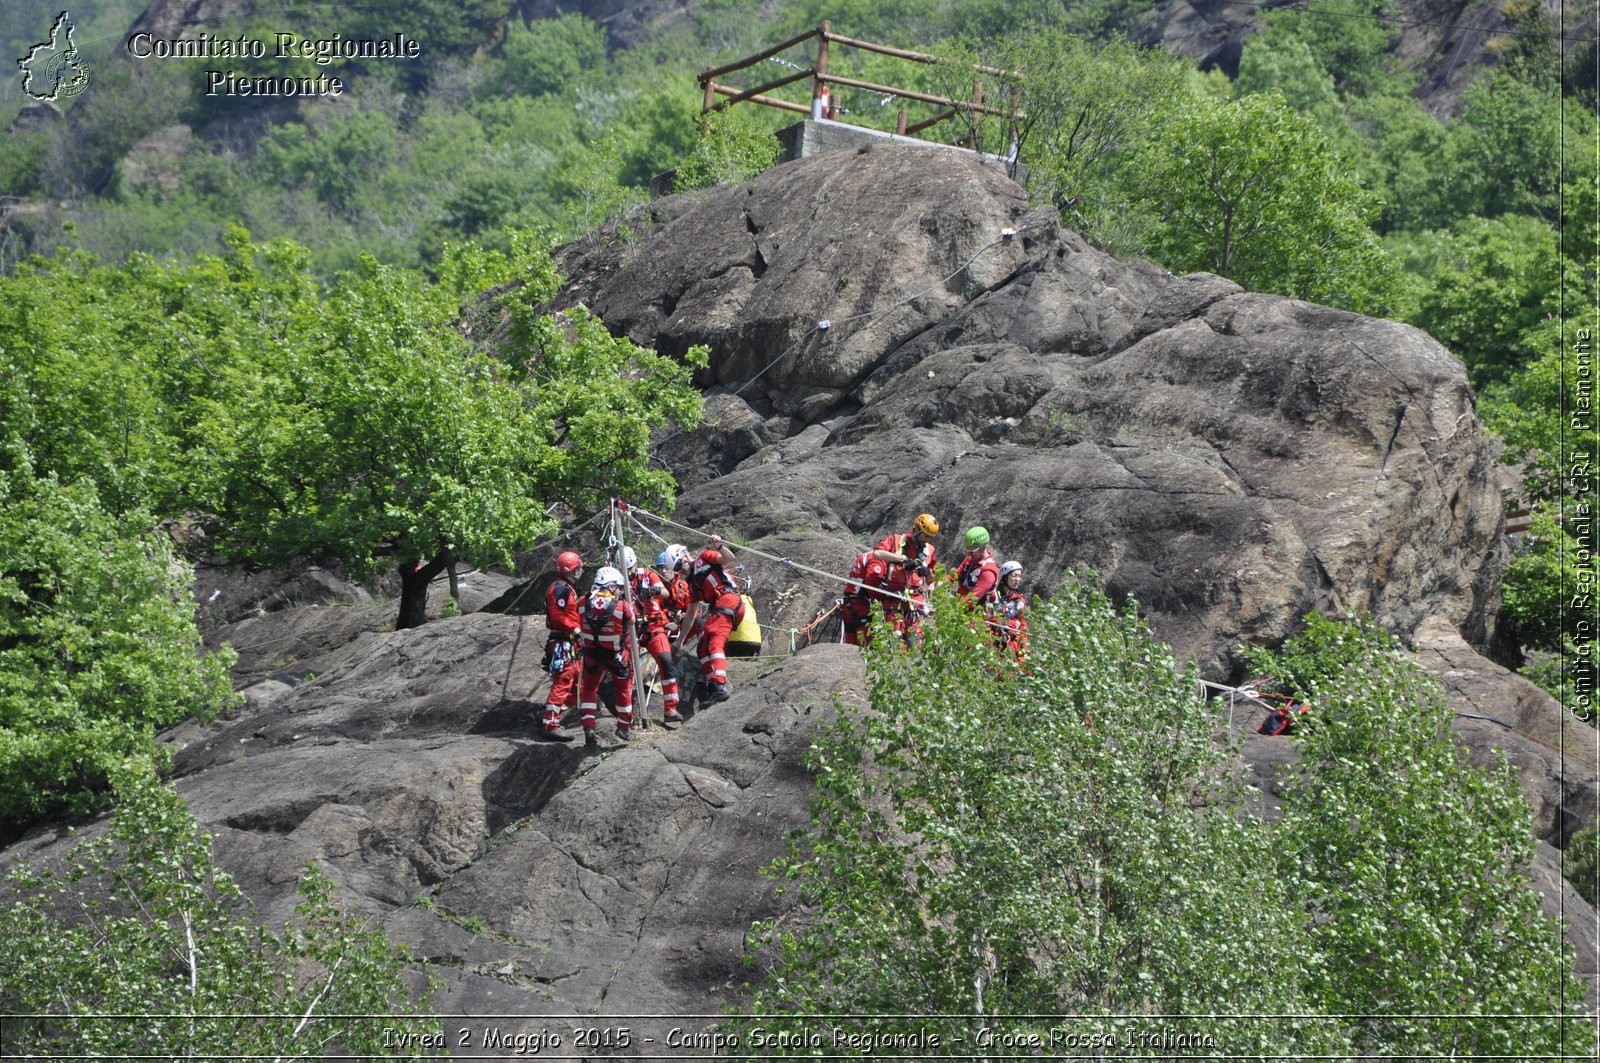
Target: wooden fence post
point(977, 116)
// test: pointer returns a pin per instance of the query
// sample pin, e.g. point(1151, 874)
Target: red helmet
point(710, 557)
point(569, 563)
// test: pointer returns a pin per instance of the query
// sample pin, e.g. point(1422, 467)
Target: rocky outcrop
point(536, 879)
point(1232, 460)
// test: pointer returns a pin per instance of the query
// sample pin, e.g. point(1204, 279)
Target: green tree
point(1081, 104)
point(141, 922)
point(1062, 839)
point(1412, 865)
point(735, 146)
point(1503, 153)
point(384, 436)
point(1289, 66)
point(98, 646)
point(1252, 190)
point(550, 55)
point(1490, 285)
point(1351, 40)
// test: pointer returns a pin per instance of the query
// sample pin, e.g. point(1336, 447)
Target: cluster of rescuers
point(588, 635)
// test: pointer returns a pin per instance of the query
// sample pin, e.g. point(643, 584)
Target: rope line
point(1234, 693)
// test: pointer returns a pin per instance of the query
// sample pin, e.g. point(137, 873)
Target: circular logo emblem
point(67, 74)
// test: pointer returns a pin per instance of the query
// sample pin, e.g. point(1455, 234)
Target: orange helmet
point(926, 524)
point(569, 564)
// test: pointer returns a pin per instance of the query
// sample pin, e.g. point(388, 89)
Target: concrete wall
point(817, 136)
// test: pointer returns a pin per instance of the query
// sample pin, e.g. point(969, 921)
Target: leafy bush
point(1062, 839)
point(550, 55)
point(734, 146)
point(97, 647)
point(1411, 866)
point(1581, 864)
point(141, 922)
point(1253, 190)
point(991, 843)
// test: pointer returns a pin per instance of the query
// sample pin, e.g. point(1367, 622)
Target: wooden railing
point(824, 107)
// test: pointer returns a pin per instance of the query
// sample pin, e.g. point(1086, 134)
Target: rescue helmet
point(665, 559)
point(678, 553)
point(977, 536)
point(709, 556)
point(925, 524)
point(630, 560)
point(608, 577)
point(1010, 567)
point(568, 563)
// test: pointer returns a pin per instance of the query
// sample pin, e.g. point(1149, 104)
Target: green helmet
point(977, 537)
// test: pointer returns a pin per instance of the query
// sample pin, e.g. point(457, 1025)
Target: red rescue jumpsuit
point(709, 584)
point(605, 630)
point(651, 597)
point(561, 607)
point(867, 573)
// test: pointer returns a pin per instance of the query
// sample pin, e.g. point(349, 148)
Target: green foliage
point(735, 146)
point(1412, 865)
point(112, 373)
point(141, 921)
point(1399, 146)
point(97, 646)
point(592, 188)
point(1537, 586)
point(1288, 66)
point(1085, 105)
point(1253, 191)
point(1503, 154)
point(1539, 415)
point(333, 159)
point(356, 423)
point(550, 54)
point(1349, 39)
point(382, 436)
point(1580, 863)
point(1065, 839)
point(1490, 287)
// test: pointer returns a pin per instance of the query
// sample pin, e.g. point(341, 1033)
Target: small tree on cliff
point(989, 844)
point(138, 946)
point(385, 436)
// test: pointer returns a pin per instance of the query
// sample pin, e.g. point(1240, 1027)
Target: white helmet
point(1010, 567)
point(630, 560)
point(607, 577)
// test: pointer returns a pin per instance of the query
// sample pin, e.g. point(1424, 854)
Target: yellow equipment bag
point(746, 638)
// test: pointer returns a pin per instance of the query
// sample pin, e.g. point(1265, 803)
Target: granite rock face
point(1232, 460)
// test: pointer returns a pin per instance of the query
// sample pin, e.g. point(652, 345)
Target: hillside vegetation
point(321, 329)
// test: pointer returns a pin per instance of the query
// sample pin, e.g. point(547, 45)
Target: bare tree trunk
point(414, 580)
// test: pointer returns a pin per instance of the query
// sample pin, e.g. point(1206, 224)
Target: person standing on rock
point(867, 577)
point(911, 557)
point(605, 620)
point(672, 565)
point(562, 605)
point(709, 582)
point(1009, 624)
point(650, 599)
point(977, 578)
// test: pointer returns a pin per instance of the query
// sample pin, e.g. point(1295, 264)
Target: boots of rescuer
point(550, 728)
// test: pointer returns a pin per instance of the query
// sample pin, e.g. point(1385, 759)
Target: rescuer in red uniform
point(562, 604)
